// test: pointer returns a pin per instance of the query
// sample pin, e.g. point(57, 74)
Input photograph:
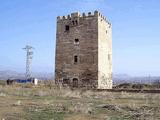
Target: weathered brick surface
point(93, 50)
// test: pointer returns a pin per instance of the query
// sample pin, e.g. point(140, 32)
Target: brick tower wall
point(84, 28)
point(84, 51)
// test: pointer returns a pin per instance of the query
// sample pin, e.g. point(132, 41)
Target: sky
point(135, 33)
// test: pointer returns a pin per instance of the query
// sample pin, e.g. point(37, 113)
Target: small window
point(75, 59)
point(67, 28)
point(76, 41)
point(76, 22)
point(73, 22)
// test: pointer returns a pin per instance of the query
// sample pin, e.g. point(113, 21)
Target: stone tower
point(84, 51)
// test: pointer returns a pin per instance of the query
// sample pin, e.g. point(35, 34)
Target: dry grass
point(47, 102)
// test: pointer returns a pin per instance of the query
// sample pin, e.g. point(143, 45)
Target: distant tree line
point(156, 83)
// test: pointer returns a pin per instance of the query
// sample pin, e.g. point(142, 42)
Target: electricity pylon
point(29, 57)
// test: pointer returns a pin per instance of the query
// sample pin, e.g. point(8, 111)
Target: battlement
point(83, 15)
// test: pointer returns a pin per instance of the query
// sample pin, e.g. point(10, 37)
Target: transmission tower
point(29, 57)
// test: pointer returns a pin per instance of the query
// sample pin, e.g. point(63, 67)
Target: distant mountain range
point(8, 74)
point(124, 78)
point(117, 78)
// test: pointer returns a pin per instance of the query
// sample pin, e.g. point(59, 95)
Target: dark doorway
point(75, 82)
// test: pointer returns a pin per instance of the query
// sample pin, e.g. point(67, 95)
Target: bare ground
point(46, 102)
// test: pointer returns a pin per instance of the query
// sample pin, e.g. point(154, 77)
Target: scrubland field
point(47, 102)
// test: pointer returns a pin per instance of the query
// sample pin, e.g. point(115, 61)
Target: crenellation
point(101, 16)
point(105, 19)
point(76, 14)
point(59, 18)
point(64, 17)
point(89, 14)
point(96, 13)
point(110, 25)
point(84, 15)
point(69, 16)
